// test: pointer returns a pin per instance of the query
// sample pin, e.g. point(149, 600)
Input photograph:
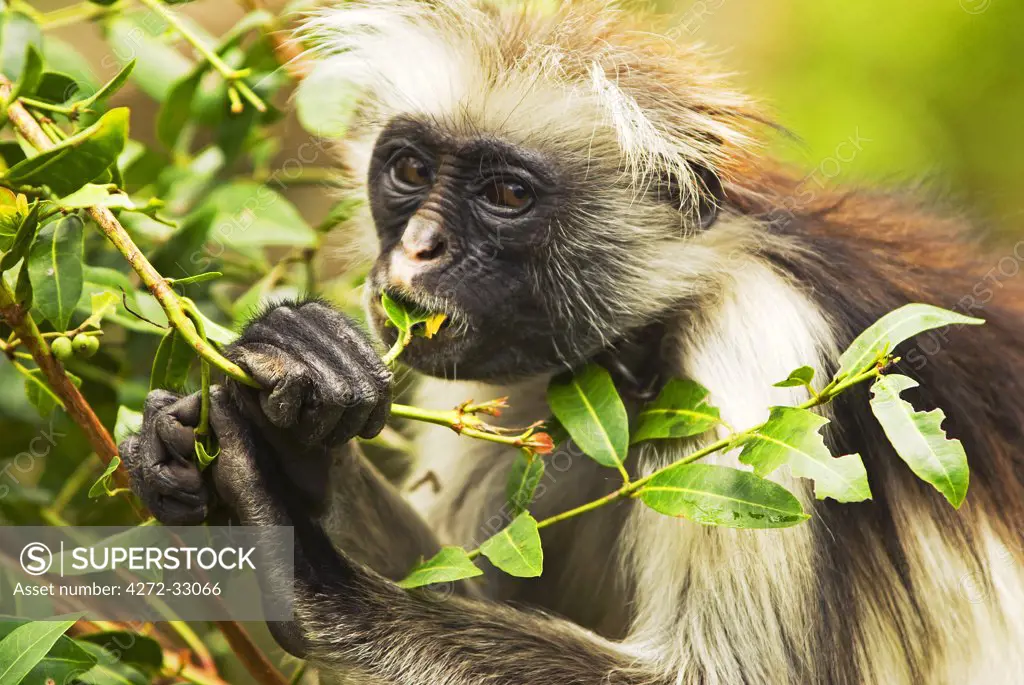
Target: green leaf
point(791, 436)
point(78, 160)
point(63, 658)
point(895, 327)
point(104, 485)
point(527, 470)
point(721, 496)
point(55, 269)
point(919, 439)
point(128, 423)
point(680, 411)
point(111, 87)
point(158, 65)
point(403, 316)
point(198, 278)
point(56, 87)
point(31, 73)
point(17, 32)
point(450, 564)
point(802, 377)
point(183, 252)
point(133, 649)
point(252, 215)
point(39, 394)
point(92, 195)
point(173, 359)
point(109, 670)
point(325, 101)
point(23, 288)
point(516, 550)
point(589, 407)
point(203, 456)
point(103, 304)
point(22, 240)
point(177, 108)
point(27, 645)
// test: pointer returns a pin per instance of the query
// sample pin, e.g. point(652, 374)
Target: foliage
point(128, 263)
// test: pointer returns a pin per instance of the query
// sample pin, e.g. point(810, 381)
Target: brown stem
point(74, 403)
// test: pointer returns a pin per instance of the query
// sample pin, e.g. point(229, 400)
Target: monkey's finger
point(175, 426)
point(156, 401)
point(282, 405)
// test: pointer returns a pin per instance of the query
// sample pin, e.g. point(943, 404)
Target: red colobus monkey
point(567, 186)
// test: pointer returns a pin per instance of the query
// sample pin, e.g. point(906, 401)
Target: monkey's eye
point(507, 194)
point(412, 172)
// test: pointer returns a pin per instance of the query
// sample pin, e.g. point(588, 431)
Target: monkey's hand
point(161, 460)
point(321, 381)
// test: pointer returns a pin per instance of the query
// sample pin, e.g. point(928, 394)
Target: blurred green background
point(935, 88)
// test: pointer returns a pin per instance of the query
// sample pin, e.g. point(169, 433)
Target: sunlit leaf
point(326, 100)
point(791, 436)
point(799, 378)
point(527, 470)
point(60, 661)
point(919, 438)
point(27, 645)
point(22, 240)
point(895, 327)
point(77, 160)
point(448, 565)
point(103, 304)
point(129, 422)
point(589, 407)
point(517, 550)
point(253, 215)
point(55, 269)
point(92, 195)
point(17, 32)
point(681, 410)
point(722, 496)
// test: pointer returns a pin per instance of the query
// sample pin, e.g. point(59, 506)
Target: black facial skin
point(491, 217)
point(491, 205)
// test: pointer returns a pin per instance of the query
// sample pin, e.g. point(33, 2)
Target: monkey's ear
point(712, 196)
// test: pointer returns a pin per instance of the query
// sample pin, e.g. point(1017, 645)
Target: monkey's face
point(534, 272)
point(463, 225)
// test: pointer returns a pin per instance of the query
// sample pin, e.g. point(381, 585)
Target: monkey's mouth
point(420, 305)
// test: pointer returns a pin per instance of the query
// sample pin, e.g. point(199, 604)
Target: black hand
point(322, 382)
point(161, 460)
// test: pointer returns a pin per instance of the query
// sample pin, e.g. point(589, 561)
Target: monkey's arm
point(348, 615)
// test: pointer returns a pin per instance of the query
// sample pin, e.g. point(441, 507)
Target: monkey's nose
point(424, 248)
point(424, 241)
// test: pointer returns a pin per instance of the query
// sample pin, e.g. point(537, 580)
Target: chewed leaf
point(919, 439)
point(450, 564)
point(722, 496)
point(432, 325)
point(103, 304)
point(517, 550)
point(588, 406)
point(894, 328)
point(680, 411)
point(405, 317)
point(791, 436)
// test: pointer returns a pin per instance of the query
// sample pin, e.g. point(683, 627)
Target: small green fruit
point(61, 348)
point(85, 345)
